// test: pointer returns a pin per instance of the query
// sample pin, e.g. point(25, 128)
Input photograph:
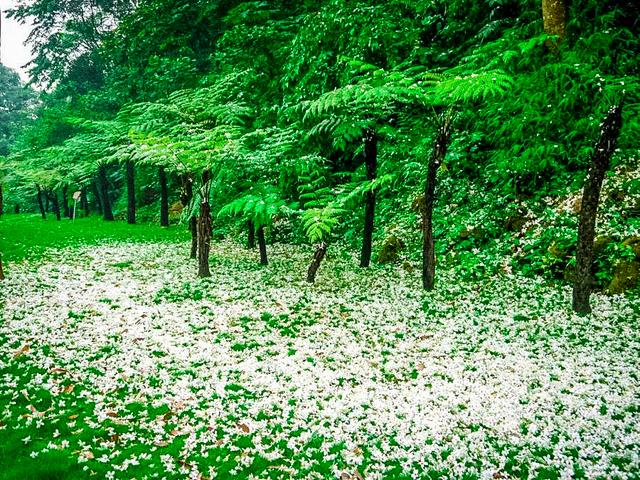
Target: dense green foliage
point(276, 98)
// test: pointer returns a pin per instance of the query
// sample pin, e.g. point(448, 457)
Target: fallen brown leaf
point(22, 351)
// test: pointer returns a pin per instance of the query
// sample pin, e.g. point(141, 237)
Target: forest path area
point(116, 362)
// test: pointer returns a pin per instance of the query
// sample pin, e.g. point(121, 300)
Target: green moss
point(625, 277)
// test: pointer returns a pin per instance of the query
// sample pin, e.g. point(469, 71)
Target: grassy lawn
point(28, 236)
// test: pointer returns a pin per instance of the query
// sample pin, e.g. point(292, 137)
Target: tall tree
point(66, 37)
point(131, 192)
point(204, 226)
point(443, 138)
point(15, 103)
point(103, 185)
point(164, 197)
point(609, 133)
point(371, 165)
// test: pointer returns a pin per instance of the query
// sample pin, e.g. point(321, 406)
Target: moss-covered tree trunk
point(131, 193)
point(371, 165)
point(262, 245)
point(251, 240)
point(164, 197)
point(438, 154)
point(43, 212)
point(609, 133)
point(204, 227)
point(318, 256)
point(554, 19)
point(107, 213)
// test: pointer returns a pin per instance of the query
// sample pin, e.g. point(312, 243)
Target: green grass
point(28, 236)
point(16, 462)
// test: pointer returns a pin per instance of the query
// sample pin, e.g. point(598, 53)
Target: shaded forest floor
point(116, 362)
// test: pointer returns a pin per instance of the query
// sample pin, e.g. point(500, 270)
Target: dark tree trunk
point(164, 198)
point(371, 164)
point(437, 157)
point(47, 206)
point(1, 271)
point(84, 202)
point(96, 197)
point(193, 226)
point(1, 201)
point(16, 208)
point(321, 251)
point(186, 196)
point(65, 202)
point(609, 133)
point(262, 245)
point(131, 193)
point(107, 214)
point(251, 241)
point(204, 227)
point(54, 203)
point(40, 204)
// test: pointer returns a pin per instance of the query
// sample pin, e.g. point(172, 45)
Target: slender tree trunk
point(107, 214)
point(84, 202)
point(65, 202)
point(40, 204)
point(131, 193)
point(16, 208)
point(204, 227)
point(609, 133)
point(164, 198)
point(1, 271)
point(47, 203)
point(318, 256)
point(96, 197)
point(371, 164)
point(262, 245)
point(54, 203)
point(1, 201)
point(554, 19)
point(251, 241)
point(428, 245)
point(193, 226)
point(185, 197)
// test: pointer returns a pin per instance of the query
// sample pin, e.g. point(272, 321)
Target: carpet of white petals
point(359, 376)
